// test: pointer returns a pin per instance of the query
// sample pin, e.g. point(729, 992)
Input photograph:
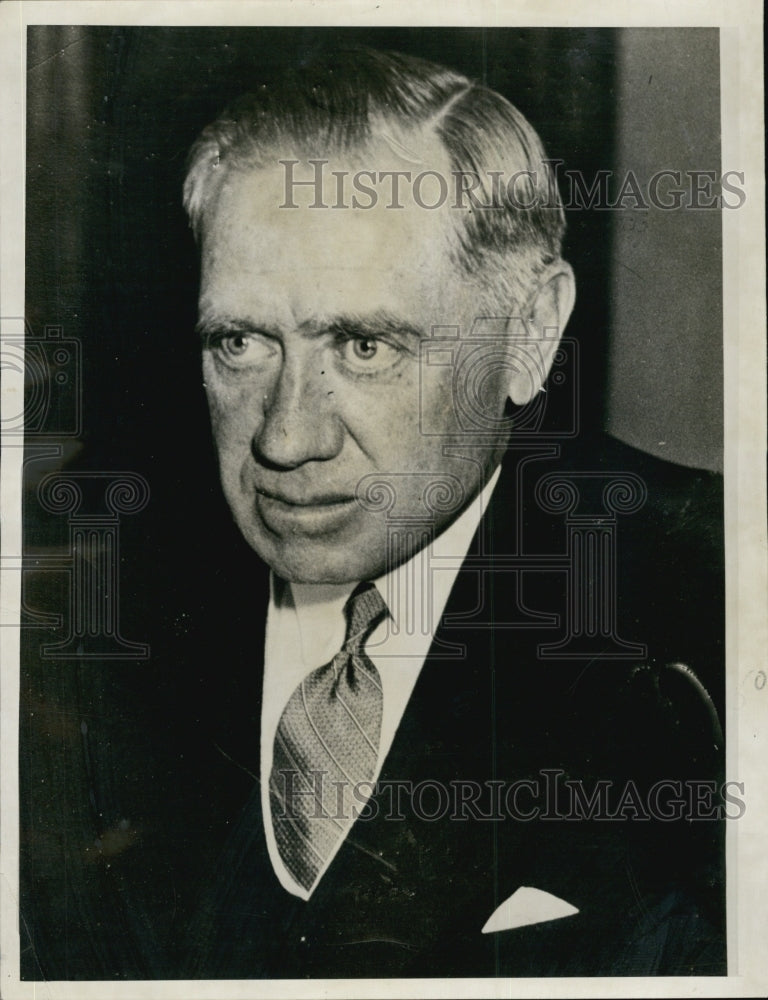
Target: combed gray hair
point(343, 102)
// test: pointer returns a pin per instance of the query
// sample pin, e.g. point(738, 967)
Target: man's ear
point(546, 315)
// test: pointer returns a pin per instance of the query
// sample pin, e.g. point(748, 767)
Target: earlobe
point(547, 315)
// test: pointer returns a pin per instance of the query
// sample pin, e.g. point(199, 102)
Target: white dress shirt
point(306, 628)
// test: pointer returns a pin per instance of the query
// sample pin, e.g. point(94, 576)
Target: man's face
point(312, 321)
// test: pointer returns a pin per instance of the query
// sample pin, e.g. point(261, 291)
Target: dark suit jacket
point(143, 852)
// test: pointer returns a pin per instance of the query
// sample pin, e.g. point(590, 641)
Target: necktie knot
point(364, 611)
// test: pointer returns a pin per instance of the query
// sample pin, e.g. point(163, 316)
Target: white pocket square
point(527, 906)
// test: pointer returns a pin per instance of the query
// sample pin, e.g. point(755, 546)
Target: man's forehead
point(287, 266)
point(342, 209)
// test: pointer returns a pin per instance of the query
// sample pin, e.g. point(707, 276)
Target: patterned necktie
point(328, 741)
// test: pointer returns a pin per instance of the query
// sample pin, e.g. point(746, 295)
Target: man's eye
point(365, 348)
point(236, 344)
point(241, 349)
point(369, 354)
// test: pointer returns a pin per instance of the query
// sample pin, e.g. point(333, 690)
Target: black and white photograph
point(384, 522)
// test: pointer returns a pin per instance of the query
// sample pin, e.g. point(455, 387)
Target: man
point(384, 769)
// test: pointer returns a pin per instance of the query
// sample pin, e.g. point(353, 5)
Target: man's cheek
point(217, 410)
point(232, 424)
point(437, 402)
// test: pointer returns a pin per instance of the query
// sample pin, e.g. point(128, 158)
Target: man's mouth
point(310, 515)
point(320, 500)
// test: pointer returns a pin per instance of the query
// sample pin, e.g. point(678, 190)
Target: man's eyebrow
point(373, 324)
point(207, 326)
point(369, 325)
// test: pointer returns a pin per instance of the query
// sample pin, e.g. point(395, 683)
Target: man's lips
point(321, 500)
point(316, 515)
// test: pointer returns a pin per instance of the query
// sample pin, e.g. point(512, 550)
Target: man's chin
point(314, 560)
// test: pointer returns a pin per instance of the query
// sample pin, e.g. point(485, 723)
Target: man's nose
point(301, 423)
